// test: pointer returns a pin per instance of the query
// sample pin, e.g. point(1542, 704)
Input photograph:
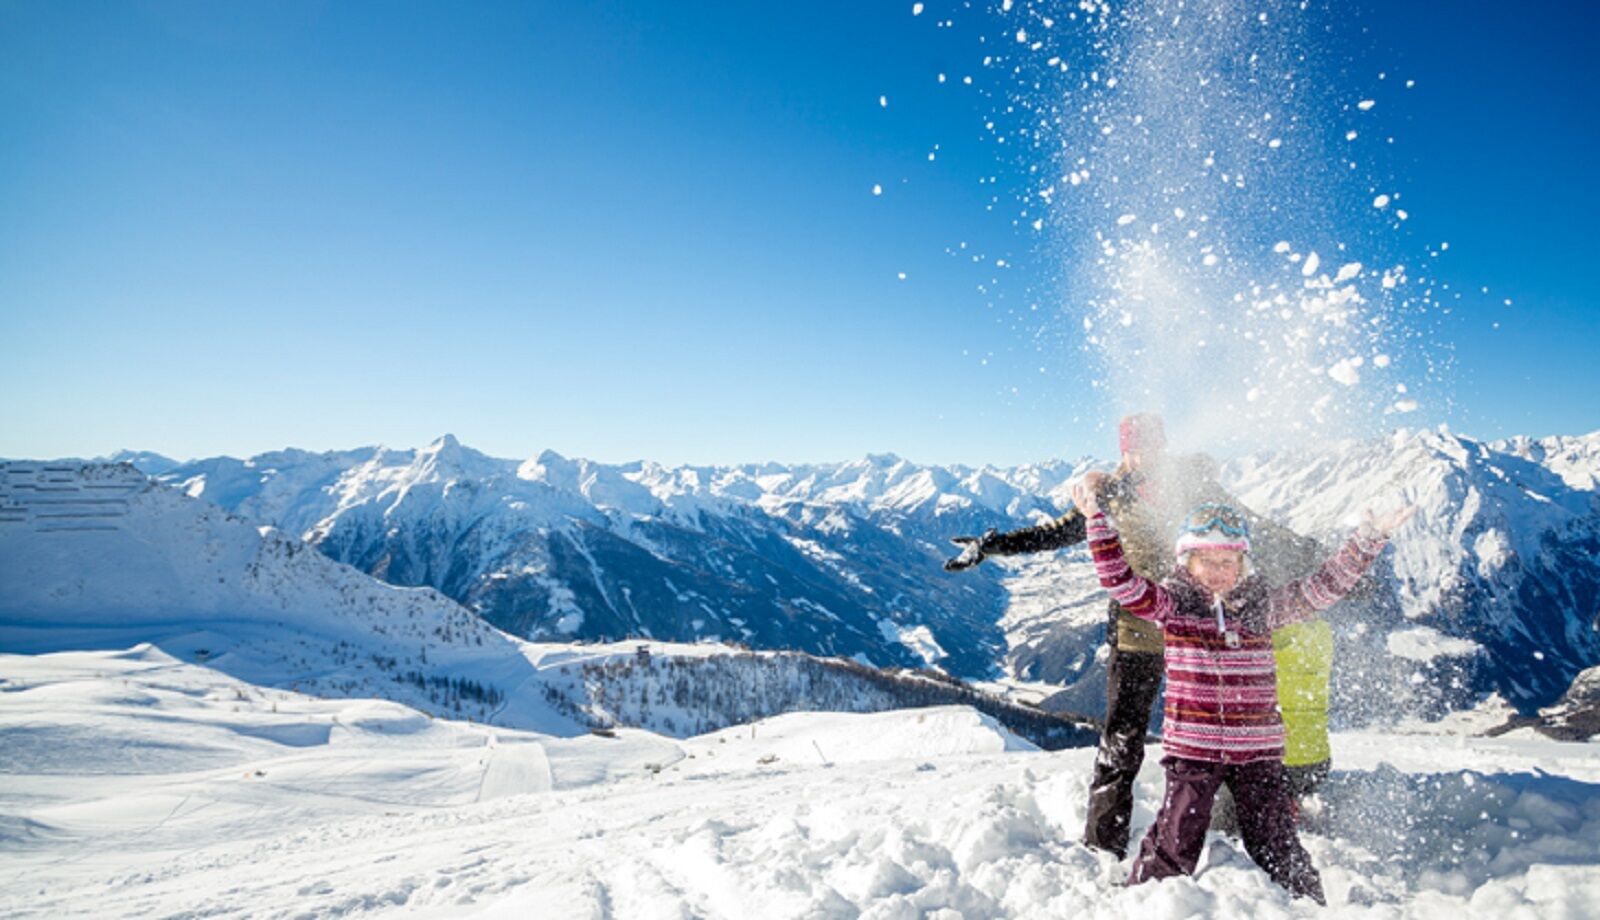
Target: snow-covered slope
point(96, 556)
point(135, 785)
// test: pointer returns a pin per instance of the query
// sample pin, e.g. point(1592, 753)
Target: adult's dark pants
point(1132, 681)
point(1266, 823)
point(1306, 779)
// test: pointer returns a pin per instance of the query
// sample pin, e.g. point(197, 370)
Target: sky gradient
point(625, 230)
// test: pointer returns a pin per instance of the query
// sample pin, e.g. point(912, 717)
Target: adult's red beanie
point(1142, 432)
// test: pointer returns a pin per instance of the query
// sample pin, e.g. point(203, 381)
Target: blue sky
point(648, 230)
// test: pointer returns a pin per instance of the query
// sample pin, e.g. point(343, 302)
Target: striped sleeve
point(1134, 593)
point(1306, 597)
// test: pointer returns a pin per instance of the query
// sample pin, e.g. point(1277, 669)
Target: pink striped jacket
point(1222, 690)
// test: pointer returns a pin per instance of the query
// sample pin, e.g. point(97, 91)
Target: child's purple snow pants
point(1266, 822)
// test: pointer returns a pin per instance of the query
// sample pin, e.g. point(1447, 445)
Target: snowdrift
point(139, 785)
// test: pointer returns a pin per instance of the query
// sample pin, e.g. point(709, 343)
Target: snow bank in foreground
point(136, 785)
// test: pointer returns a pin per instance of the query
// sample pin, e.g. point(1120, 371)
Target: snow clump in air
point(1345, 371)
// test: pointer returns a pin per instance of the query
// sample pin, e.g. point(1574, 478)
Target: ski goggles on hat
point(1216, 516)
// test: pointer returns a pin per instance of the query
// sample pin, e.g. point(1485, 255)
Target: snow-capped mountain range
point(1504, 556)
point(1492, 587)
point(839, 559)
point(97, 556)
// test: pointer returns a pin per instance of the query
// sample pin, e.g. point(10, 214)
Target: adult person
point(1148, 493)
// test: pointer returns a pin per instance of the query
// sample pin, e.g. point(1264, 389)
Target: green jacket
point(1305, 662)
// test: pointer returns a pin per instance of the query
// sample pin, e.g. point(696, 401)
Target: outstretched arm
point(1134, 593)
point(1069, 529)
point(1306, 597)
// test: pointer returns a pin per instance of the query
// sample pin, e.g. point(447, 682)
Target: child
point(1222, 719)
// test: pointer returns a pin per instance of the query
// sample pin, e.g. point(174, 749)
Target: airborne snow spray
point(1210, 183)
point(1231, 253)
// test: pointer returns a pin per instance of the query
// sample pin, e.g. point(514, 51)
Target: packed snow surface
point(137, 785)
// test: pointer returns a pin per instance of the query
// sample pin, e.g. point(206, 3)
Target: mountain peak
point(147, 462)
point(445, 453)
point(448, 458)
point(548, 467)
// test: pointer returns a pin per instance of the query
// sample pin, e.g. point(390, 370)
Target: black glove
point(972, 551)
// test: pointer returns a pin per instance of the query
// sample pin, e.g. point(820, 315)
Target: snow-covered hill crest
point(97, 556)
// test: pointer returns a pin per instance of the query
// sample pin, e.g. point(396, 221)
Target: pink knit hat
point(1216, 539)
